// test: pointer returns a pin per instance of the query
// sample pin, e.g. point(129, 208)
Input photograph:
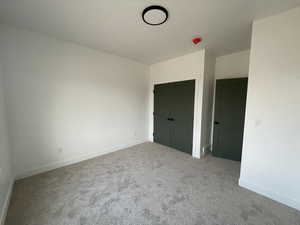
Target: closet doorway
point(174, 114)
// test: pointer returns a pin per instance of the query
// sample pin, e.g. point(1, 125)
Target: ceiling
point(116, 26)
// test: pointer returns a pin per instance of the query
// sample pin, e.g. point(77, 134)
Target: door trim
point(196, 153)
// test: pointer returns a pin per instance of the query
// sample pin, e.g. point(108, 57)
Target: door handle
point(217, 123)
point(171, 119)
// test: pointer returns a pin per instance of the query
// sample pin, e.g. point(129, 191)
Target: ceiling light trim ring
point(155, 7)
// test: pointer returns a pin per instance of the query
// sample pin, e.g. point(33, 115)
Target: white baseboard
point(270, 194)
point(55, 165)
point(3, 212)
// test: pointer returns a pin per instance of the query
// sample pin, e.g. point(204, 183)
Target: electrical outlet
point(206, 149)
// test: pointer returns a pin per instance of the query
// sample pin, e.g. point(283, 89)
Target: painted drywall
point(207, 103)
point(232, 66)
point(67, 102)
point(6, 174)
point(187, 67)
point(271, 149)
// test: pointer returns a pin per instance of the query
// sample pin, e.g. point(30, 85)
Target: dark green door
point(230, 104)
point(174, 114)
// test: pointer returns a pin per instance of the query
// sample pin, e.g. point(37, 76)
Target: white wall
point(67, 102)
point(271, 151)
point(187, 67)
point(6, 174)
point(232, 66)
point(207, 103)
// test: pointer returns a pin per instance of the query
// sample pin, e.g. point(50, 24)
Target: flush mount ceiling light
point(155, 15)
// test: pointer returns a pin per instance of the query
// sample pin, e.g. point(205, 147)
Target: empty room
point(139, 112)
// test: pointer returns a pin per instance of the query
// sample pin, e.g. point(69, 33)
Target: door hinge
point(153, 134)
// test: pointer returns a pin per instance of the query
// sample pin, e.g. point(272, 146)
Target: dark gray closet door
point(174, 114)
point(230, 104)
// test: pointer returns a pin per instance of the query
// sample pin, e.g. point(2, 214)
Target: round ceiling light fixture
point(155, 15)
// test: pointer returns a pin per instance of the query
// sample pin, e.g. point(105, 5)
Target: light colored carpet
point(148, 184)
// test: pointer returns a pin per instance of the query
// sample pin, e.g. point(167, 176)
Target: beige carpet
point(148, 184)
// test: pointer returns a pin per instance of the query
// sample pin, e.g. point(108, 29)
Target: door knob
point(216, 123)
point(171, 119)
